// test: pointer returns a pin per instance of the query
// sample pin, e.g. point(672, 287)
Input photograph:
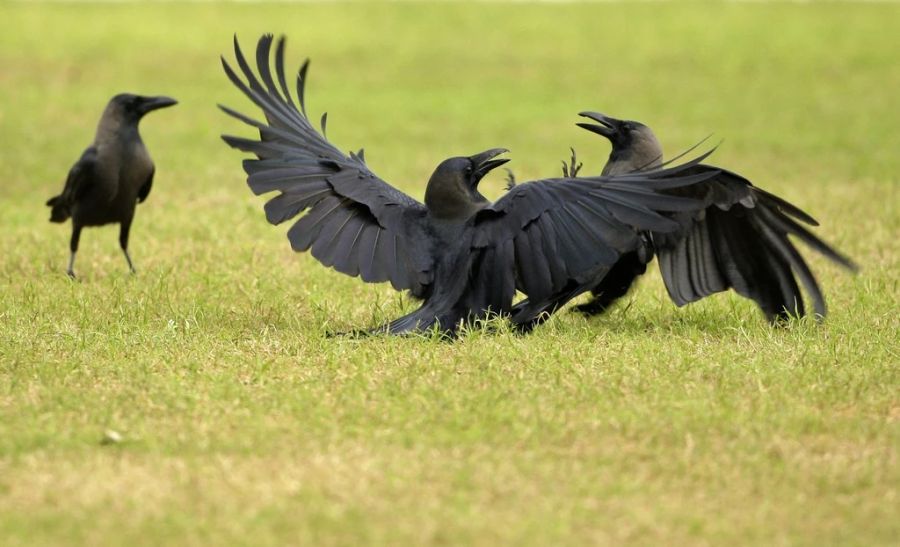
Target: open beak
point(606, 126)
point(485, 162)
point(155, 103)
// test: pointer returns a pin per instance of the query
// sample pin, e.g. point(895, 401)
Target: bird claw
point(510, 179)
point(71, 274)
point(571, 169)
point(589, 309)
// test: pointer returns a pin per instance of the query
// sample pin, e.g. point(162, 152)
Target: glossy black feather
point(314, 176)
point(756, 258)
point(740, 240)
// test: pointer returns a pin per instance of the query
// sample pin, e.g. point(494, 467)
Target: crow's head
point(130, 107)
point(634, 145)
point(452, 191)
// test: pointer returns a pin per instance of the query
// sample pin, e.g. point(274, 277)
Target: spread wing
point(741, 241)
point(554, 237)
point(354, 221)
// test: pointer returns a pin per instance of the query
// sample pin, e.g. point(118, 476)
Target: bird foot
point(510, 179)
point(591, 308)
point(71, 274)
point(573, 167)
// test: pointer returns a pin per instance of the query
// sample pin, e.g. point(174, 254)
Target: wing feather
point(740, 240)
point(563, 232)
point(349, 218)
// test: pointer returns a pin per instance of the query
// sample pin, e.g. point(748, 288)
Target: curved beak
point(605, 126)
point(485, 162)
point(149, 104)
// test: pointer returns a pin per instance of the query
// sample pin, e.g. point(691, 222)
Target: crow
point(112, 176)
point(739, 241)
point(461, 255)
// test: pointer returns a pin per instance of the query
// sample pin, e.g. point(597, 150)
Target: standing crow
point(462, 255)
point(739, 241)
point(112, 176)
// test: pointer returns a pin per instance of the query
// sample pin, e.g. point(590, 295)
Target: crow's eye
point(468, 171)
point(627, 126)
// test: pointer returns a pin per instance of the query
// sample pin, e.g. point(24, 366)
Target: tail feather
point(60, 210)
point(418, 321)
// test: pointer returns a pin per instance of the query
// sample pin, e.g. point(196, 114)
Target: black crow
point(112, 176)
point(462, 255)
point(739, 241)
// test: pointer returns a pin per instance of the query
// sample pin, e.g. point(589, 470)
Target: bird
point(462, 256)
point(741, 240)
point(112, 176)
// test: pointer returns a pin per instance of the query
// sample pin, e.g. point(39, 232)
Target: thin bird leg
point(73, 247)
point(528, 326)
point(123, 242)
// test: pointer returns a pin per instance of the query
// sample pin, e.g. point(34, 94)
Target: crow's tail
point(60, 210)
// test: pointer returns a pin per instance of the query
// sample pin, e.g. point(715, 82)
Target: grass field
point(242, 423)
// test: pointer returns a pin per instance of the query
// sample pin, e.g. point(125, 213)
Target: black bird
point(112, 176)
point(462, 255)
point(739, 241)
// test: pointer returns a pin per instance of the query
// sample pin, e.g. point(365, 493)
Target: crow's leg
point(614, 285)
point(526, 327)
point(123, 242)
point(605, 295)
point(73, 248)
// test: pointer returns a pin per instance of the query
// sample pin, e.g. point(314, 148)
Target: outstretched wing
point(354, 221)
point(554, 238)
point(741, 241)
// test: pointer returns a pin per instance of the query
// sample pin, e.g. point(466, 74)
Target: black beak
point(606, 126)
point(149, 104)
point(484, 162)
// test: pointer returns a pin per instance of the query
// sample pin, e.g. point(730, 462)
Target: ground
point(241, 422)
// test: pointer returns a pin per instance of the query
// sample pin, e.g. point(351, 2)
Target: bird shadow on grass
point(738, 320)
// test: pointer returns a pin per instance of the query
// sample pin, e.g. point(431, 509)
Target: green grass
point(243, 423)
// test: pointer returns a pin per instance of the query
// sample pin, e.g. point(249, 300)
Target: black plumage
point(462, 255)
point(740, 240)
point(112, 176)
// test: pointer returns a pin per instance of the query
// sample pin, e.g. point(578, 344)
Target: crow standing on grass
point(112, 176)
point(739, 241)
point(462, 255)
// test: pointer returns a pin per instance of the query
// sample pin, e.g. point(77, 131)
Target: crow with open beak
point(739, 241)
point(461, 255)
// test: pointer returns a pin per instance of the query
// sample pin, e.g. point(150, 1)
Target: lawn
point(241, 422)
